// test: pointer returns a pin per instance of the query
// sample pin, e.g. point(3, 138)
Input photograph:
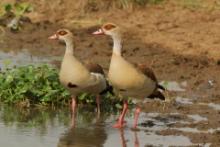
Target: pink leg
point(120, 122)
point(74, 105)
point(136, 115)
point(98, 104)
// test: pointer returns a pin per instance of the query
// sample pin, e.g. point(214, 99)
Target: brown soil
point(180, 44)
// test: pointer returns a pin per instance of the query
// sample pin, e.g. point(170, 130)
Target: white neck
point(69, 46)
point(117, 44)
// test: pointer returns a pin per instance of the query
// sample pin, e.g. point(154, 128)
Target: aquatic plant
point(39, 85)
point(32, 85)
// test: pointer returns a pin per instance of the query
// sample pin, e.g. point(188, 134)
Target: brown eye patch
point(62, 32)
point(109, 26)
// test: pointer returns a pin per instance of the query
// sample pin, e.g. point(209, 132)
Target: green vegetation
point(32, 85)
point(39, 85)
point(17, 10)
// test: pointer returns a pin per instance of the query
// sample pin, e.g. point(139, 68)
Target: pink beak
point(98, 32)
point(53, 37)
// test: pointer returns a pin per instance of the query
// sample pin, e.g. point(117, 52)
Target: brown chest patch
point(122, 90)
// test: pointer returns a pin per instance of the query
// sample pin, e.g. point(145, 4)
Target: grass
point(192, 4)
point(39, 85)
point(200, 4)
point(95, 5)
point(125, 3)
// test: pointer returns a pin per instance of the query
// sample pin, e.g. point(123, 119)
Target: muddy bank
point(180, 44)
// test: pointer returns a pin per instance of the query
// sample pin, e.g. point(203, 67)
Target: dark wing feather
point(95, 68)
point(147, 71)
point(157, 94)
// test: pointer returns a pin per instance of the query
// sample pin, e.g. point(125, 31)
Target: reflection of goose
point(85, 136)
point(75, 76)
point(123, 141)
point(136, 140)
point(130, 81)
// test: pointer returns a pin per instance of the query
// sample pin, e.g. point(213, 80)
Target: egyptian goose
point(77, 77)
point(129, 81)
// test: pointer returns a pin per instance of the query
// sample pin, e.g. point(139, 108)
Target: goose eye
point(109, 26)
point(62, 33)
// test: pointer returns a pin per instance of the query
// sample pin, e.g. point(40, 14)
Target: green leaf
point(8, 7)
point(119, 106)
point(9, 78)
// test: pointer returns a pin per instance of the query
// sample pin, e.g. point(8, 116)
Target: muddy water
point(24, 57)
point(44, 127)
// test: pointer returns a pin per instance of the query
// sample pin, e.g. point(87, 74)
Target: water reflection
point(91, 136)
point(89, 131)
point(124, 141)
point(50, 127)
point(31, 127)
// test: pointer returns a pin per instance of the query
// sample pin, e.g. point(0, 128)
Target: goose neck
point(117, 45)
point(69, 46)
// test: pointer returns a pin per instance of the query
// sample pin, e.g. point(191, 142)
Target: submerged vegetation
point(39, 85)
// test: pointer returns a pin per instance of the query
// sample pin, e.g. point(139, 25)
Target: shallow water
point(44, 127)
point(184, 101)
point(214, 106)
point(24, 57)
point(174, 86)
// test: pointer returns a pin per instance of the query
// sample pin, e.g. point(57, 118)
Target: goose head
point(62, 35)
point(112, 30)
point(108, 29)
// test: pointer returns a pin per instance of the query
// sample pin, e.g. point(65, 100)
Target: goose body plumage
point(77, 77)
point(128, 80)
point(74, 72)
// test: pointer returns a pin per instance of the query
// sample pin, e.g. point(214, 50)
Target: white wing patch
point(97, 79)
